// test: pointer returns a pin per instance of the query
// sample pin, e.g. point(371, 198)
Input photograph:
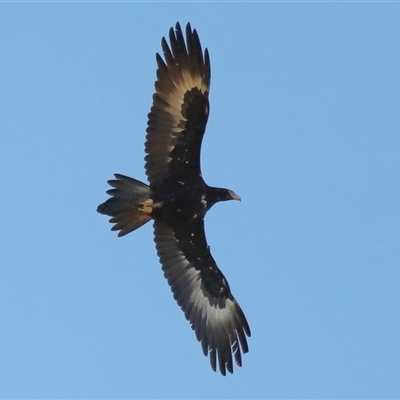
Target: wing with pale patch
point(178, 117)
point(203, 293)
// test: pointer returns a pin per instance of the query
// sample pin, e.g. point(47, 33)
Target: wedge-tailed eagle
point(177, 199)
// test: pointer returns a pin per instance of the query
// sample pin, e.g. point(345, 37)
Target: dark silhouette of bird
point(177, 199)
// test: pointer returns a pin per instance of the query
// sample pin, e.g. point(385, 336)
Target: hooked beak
point(234, 196)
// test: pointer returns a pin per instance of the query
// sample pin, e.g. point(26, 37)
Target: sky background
point(304, 125)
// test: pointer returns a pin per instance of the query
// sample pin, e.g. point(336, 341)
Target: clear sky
point(304, 125)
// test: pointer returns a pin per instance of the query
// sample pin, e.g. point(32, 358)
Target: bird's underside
point(177, 199)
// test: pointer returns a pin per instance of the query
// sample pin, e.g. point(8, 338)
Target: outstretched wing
point(179, 114)
point(203, 293)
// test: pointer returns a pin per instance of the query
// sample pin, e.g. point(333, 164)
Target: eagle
point(177, 200)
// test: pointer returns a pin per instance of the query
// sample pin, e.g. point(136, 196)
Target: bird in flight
point(177, 200)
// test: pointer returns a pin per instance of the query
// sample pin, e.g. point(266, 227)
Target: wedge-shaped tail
point(129, 206)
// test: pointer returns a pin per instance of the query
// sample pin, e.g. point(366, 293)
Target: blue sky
point(304, 125)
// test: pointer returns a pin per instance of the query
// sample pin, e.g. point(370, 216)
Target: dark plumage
point(178, 199)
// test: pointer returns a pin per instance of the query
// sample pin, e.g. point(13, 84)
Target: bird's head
point(219, 194)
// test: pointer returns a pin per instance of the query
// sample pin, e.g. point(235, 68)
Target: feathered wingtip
point(127, 206)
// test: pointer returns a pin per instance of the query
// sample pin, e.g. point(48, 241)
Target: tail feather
point(126, 204)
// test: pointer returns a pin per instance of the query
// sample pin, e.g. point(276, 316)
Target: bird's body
point(177, 199)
